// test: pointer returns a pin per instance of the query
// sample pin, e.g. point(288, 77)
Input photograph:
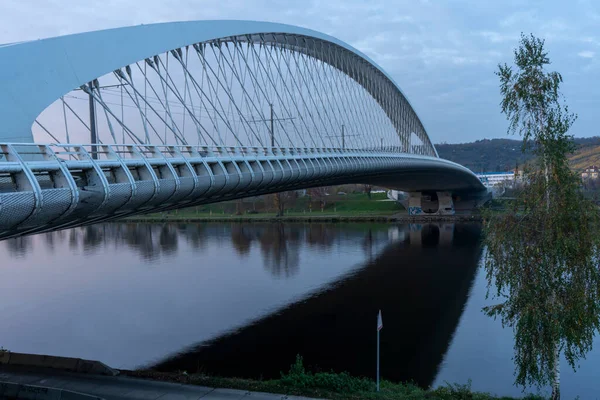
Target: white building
point(496, 179)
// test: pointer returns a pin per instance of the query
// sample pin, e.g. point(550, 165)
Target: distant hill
point(585, 157)
point(489, 155)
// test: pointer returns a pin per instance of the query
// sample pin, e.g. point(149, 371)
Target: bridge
point(102, 125)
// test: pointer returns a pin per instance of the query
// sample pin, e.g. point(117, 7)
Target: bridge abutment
point(434, 203)
point(415, 206)
point(445, 203)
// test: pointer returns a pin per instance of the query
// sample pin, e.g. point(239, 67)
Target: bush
point(341, 383)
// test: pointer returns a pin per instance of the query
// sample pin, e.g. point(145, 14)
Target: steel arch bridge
point(107, 124)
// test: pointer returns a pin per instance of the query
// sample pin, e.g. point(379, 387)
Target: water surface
point(243, 299)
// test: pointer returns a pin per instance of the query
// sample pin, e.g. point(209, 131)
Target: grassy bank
point(353, 207)
point(307, 218)
point(354, 204)
point(326, 385)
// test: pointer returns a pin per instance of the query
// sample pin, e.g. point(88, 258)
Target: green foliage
point(299, 382)
point(530, 96)
point(344, 386)
point(542, 258)
point(341, 383)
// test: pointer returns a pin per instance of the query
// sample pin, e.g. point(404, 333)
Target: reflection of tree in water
point(51, 240)
point(194, 235)
point(320, 235)
point(19, 246)
point(93, 238)
point(73, 239)
point(241, 238)
point(168, 239)
point(279, 245)
point(140, 237)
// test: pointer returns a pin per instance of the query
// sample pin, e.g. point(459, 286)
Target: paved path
point(120, 388)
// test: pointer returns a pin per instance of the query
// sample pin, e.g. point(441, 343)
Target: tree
point(368, 191)
point(319, 194)
point(280, 200)
point(542, 256)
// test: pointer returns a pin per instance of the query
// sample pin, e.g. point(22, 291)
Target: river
point(243, 299)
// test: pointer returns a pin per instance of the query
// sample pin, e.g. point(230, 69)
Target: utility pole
point(94, 135)
point(271, 121)
point(92, 104)
point(343, 136)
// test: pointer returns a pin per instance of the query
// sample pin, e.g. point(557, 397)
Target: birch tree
point(542, 255)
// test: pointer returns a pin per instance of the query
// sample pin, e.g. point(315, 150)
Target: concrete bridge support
point(445, 203)
point(433, 203)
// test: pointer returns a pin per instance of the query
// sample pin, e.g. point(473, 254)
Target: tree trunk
point(556, 372)
point(547, 176)
point(556, 378)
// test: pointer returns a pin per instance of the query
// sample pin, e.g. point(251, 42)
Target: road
point(120, 388)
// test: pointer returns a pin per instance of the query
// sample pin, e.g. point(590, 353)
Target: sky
point(443, 54)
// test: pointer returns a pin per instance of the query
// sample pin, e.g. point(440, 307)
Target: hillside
point(584, 157)
point(504, 154)
point(485, 155)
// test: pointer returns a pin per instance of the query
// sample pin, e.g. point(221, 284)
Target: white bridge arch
point(257, 108)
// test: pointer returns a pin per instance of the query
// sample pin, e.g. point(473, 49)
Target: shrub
point(342, 383)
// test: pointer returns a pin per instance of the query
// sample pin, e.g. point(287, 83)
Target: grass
point(328, 385)
point(348, 206)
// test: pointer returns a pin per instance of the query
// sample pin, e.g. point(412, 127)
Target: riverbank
point(49, 384)
point(54, 375)
point(395, 218)
point(353, 207)
point(298, 382)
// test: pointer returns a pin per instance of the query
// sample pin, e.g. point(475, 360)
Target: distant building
point(496, 179)
point(590, 173)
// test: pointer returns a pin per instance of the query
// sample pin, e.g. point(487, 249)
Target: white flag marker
point(379, 327)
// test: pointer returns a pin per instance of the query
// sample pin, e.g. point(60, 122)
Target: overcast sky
point(442, 53)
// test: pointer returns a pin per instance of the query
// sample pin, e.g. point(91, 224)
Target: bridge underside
point(66, 187)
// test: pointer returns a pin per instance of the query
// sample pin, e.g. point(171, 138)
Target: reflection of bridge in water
point(421, 281)
point(418, 274)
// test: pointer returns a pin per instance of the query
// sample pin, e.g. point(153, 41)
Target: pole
point(343, 140)
point(379, 327)
point(94, 137)
point(378, 356)
point(272, 129)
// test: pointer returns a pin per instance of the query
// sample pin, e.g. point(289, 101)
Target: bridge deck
point(45, 187)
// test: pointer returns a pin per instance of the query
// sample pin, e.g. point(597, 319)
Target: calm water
point(244, 299)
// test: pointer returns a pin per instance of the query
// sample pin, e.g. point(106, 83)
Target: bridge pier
point(435, 203)
point(445, 203)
